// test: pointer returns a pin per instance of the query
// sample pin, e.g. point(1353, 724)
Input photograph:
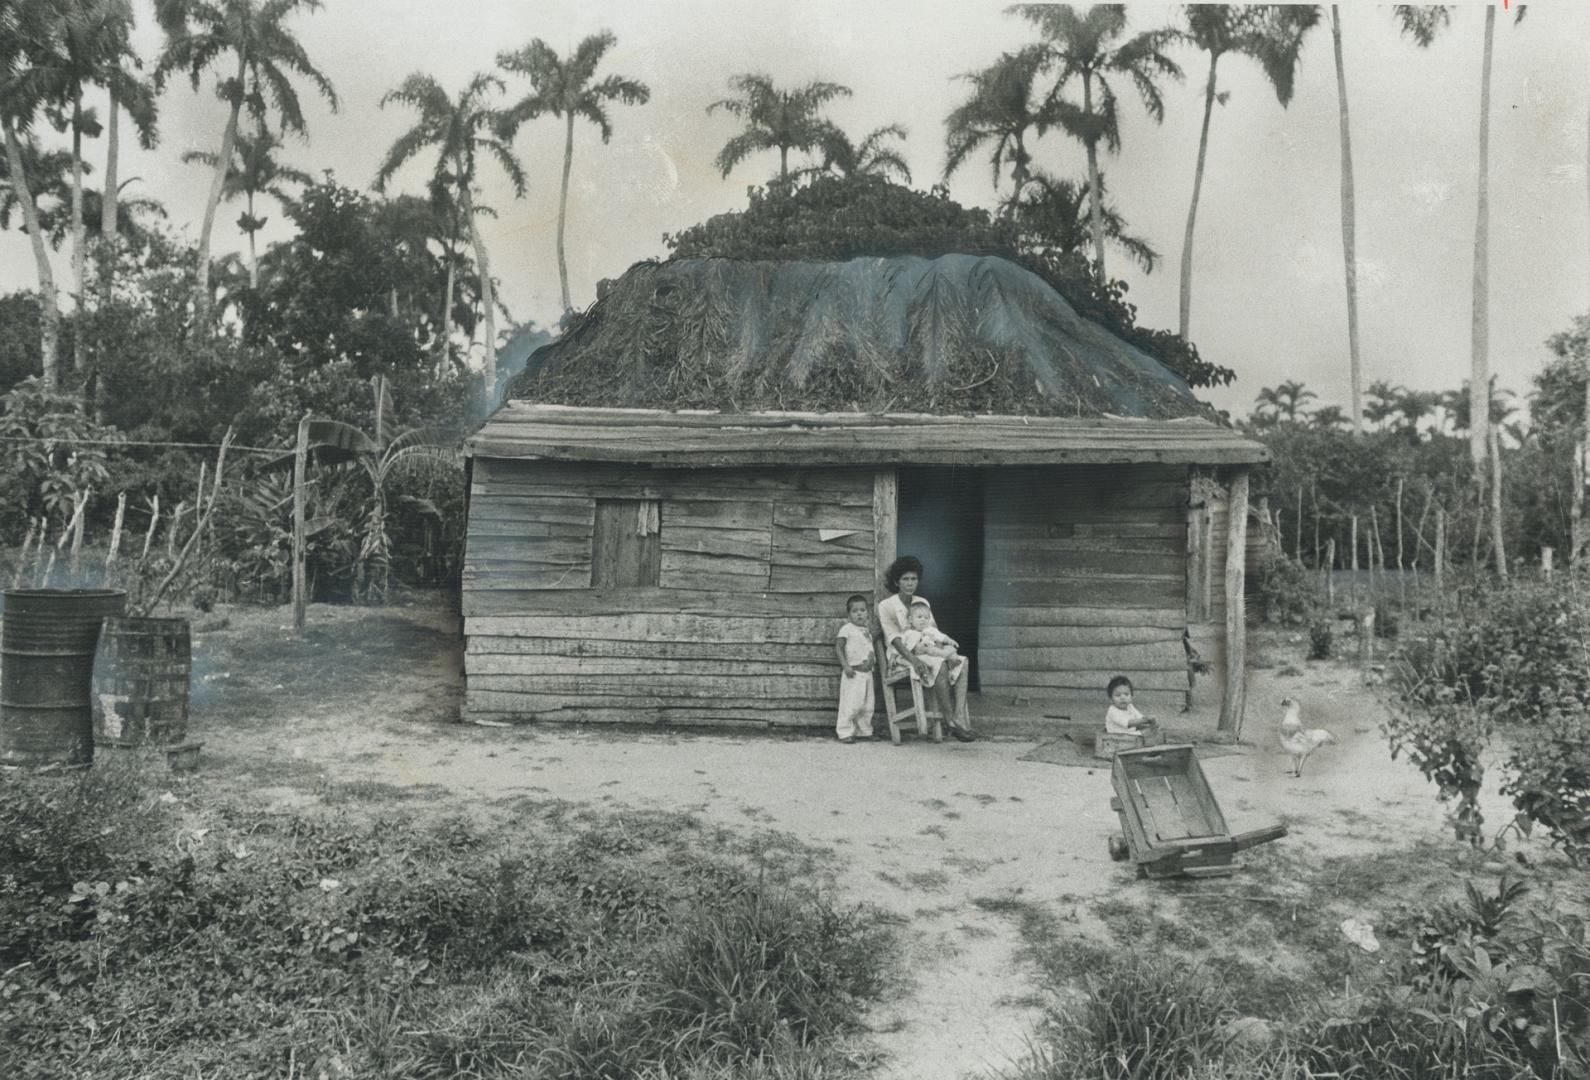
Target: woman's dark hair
point(905, 564)
point(1119, 680)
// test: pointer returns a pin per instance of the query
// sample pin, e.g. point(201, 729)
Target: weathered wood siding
point(1084, 577)
point(738, 629)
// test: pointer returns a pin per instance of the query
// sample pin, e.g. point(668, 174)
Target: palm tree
point(1088, 49)
point(1054, 216)
point(1349, 229)
point(253, 171)
point(137, 96)
point(91, 40)
point(1270, 34)
point(870, 157)
point(775, 119)
point(25, 43)
point(50, 176)
point(1328, 418)
point(1413, 406)
point(1384, 401)
point(999, 111)
point(458, 129)
point(200, 33)
point(1287, 401)
point(563, 87)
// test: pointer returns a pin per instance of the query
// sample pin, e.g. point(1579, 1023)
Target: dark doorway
point(941, 523)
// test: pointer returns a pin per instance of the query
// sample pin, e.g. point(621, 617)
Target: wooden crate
point(1109, 743)
point(1171, 824)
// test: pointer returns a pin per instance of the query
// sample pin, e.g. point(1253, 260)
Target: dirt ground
point(925, 831)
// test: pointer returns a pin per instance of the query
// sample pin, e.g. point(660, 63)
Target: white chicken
point(1298, 740)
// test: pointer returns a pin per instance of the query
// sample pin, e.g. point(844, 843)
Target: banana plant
point(333, 442)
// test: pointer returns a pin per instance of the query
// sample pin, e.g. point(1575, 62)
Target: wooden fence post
point(1496, 497)
point(1546, 554)
point(300, 466)
point(1330, 581)
point(115, 531)
point(1235, 699)
point(1353, 560)
point(1440, 553)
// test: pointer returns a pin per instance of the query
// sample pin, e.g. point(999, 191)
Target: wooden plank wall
point(738, 630)
point(1084, 577)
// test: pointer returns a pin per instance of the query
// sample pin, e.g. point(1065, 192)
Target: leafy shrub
point(1491, 990)
point(1442, 734)
point(1284, 590)
point(1549, 777)
point(1321, 639)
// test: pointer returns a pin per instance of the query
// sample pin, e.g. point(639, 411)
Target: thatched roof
point(717, 440)
point(956, 334)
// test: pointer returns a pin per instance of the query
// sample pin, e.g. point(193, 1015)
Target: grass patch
point(1253, 977)
point(141, 937)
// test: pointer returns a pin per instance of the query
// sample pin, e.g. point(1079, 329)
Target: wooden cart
point(1170, 822)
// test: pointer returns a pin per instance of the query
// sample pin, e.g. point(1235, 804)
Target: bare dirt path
point(924, 831)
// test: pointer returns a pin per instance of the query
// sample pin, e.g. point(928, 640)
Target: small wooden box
point(1108, 743)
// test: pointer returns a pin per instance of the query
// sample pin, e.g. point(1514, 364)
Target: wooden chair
point(926, 722)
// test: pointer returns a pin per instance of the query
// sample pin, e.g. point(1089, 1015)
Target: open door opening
point(941, 523)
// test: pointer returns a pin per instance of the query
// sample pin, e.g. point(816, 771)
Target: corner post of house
point(885, 527)
point(1235, 699)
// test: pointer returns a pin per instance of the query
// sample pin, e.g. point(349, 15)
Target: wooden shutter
point(625, 552)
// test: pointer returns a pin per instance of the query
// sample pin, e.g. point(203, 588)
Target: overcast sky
point(1268, 295)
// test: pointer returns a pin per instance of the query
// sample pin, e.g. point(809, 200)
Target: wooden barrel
point(141, 682)
point(47, 644)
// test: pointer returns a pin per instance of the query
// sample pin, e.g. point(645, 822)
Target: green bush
point(1491, 990)
point(1548, 777)
point(1284, 590)
point(1321, 639)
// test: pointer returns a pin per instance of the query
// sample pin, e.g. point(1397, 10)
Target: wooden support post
point(1235, 699)
point(81, 506)
point(1496, 498)
point(1440, 552)
point(1546, 555)
point(1373, 543)
point(1576, 542)
point(1402, 583)
point(1330, 580)
point(1353, 563)
point(154, 520)
point(115, 531)
point(22, 556)
point(300, 467)
point(1297, 540)
point(1194, 592)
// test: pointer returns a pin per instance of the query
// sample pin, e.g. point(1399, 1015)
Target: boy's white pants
point(855, 705)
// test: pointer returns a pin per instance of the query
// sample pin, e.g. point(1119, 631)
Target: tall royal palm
point(254, 171)
point(997, 114)
point(91, 40)
point(458, 130)
point(25, 44)
point(253, 37)
point(1088, 49)
point(1270, 34)
point(775, 119)
point(563, 87)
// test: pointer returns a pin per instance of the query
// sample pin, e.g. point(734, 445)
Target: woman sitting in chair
point(902, 578)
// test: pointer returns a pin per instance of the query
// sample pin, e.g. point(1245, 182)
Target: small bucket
point(140, 687)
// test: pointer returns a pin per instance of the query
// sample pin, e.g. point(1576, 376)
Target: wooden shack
point(691, 566)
